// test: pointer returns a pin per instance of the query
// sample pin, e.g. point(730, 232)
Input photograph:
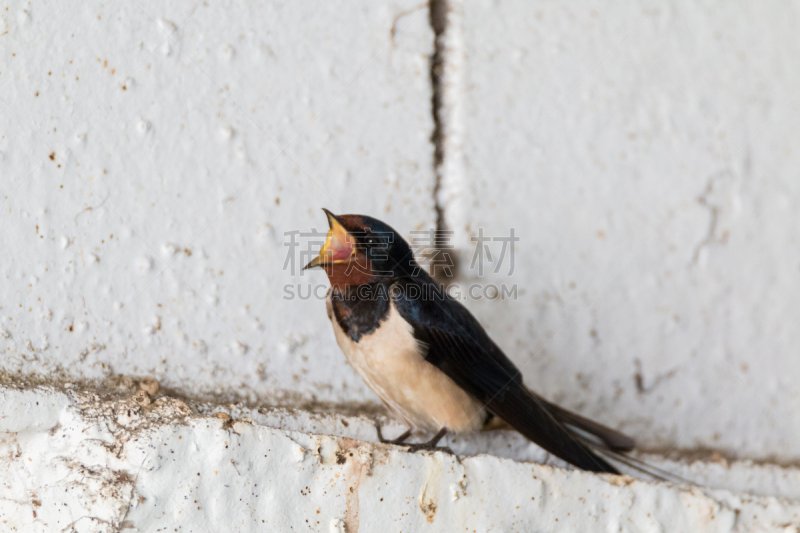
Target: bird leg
point(431, 444)
point(398, 440)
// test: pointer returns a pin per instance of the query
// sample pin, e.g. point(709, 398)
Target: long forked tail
point(530, 415)
point(597, 446)
point(607, 442)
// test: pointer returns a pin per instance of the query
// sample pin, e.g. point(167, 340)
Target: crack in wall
point(638, 378)
point(710, 237)
point(443, 263)
point(708, 200)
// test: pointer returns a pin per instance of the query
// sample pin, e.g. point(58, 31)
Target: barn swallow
point(428, 358)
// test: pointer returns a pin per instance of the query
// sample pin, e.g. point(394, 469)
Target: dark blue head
point(361, 249)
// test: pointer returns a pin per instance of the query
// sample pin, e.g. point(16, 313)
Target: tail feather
point(612, 439)
point(609, 448)
point(529, 414)
point(606, 442)
point(593, 446)
point(643, 467)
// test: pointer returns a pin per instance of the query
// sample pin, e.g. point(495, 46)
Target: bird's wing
point(458, 346)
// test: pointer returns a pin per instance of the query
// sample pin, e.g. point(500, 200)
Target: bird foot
point(431, 444)
point(413, 448)
point(399, 440)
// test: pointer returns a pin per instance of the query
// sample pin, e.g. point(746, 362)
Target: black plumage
point(459, 346)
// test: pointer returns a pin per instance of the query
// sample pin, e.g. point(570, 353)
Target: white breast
point(391, 362)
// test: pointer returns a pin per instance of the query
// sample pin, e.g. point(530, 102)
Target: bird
point(429, 359)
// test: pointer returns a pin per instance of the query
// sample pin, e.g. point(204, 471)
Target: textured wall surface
point(646, 157)
point(153, 157)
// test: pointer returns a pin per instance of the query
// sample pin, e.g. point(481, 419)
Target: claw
point(413, 448)
point(431, 444)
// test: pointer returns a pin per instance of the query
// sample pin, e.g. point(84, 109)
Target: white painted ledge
point(74, 461)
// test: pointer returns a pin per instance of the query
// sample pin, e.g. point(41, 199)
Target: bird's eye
point(368, 238)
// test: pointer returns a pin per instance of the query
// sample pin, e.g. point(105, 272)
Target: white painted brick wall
point(645, 155)
point(186, 140)
point(153, 155)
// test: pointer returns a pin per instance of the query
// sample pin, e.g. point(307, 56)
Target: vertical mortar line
point(438, 21)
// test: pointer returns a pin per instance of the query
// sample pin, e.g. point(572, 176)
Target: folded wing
point(456, 343)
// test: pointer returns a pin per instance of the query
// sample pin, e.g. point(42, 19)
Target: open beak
point(339, 246)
